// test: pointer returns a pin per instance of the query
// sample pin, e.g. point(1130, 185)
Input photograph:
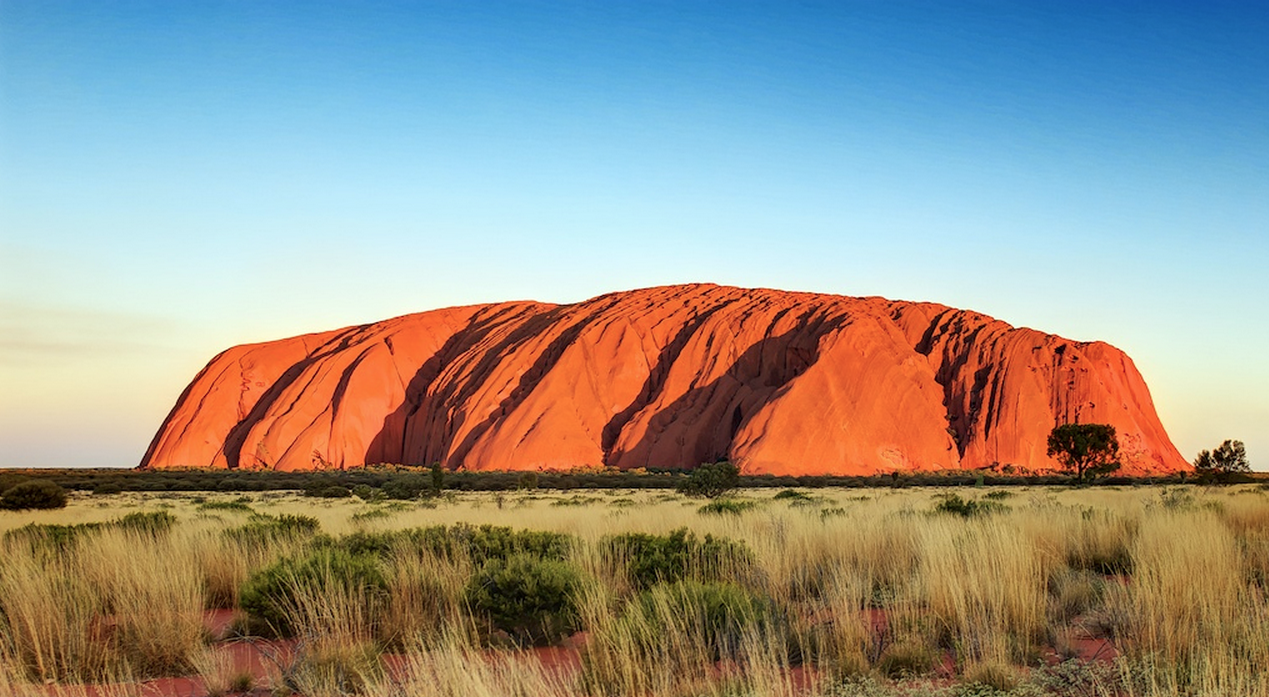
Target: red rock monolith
point(779, 382)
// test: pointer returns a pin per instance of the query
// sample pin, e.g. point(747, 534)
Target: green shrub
point(372, 514)
point(57, 538)
point(651, 559)
point(487, 542)
point(270, 595)
point(726, 506)
point(262, 529)
point(711, 480)
point(378, 544)
point(533, 600)
point(527, 480)
point(477, 543)
point(34, 494)
point(240, 504)
point(152, 522)
point(966, 508)
point(404, 488)
point(721, 613)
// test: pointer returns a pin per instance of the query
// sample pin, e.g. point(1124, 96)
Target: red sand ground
point(264, 658)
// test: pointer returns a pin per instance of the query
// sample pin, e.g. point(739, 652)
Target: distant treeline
point(113, 480)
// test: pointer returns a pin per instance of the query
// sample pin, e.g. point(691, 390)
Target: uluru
point(668, 377)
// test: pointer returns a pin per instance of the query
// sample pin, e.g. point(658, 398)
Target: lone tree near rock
point(711, 480)
point(1229, 457)
point(1088, 450)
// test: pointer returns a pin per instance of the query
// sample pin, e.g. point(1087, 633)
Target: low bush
point(264, 529)
point(404, 488)
point(57, 538)
point(151, 522)
point(651, 559)
point(36, 494)
point(533, 600)
point(995, 677)
point(486, 542)
point(270, 595)
point(720, 615)
point(905, 659)
point(477, 543)
point(240, 504)
point(726, 506)
point(967, 508)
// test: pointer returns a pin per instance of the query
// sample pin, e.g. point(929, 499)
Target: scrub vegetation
point(844, 592)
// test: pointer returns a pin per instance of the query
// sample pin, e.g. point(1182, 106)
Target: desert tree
point(1087, 450)
point(711, 480)
point(1228, 458)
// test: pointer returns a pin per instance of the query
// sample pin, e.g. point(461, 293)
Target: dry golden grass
point(863, 582)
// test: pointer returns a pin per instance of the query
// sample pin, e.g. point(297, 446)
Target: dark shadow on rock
point(656, 378)
point(529, 380)
point(729, 401)
point(390, 444)
point(238, 434)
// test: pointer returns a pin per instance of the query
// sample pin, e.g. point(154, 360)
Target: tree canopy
point(1087, 450)
point(1229, 457)
point(711, 480)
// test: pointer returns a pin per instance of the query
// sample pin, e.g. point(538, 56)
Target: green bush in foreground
point(37, 494)
point(271, 595)
point(533, 600)
point(264, 529)
point(720, 615)
point(479, 543)
point(652, 559)
point(151, 522)
point(57, 538)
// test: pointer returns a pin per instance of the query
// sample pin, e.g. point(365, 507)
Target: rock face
point(779, 382)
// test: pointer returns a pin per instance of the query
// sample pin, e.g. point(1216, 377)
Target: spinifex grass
point(830, 596)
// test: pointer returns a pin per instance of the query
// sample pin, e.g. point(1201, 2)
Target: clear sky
point(178, 177)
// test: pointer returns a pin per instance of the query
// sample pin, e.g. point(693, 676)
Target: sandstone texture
point(779, 382)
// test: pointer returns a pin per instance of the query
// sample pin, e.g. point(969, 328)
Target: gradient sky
point(178, 177)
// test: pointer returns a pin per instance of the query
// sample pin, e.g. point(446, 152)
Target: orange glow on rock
point(780, 382)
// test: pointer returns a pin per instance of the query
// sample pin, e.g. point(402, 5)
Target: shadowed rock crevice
point(238, 435)
point(528, 380)
point(719, 409)
point(656, 379)
point(391, 442)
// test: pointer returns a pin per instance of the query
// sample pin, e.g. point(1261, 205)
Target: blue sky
point(179, 177)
